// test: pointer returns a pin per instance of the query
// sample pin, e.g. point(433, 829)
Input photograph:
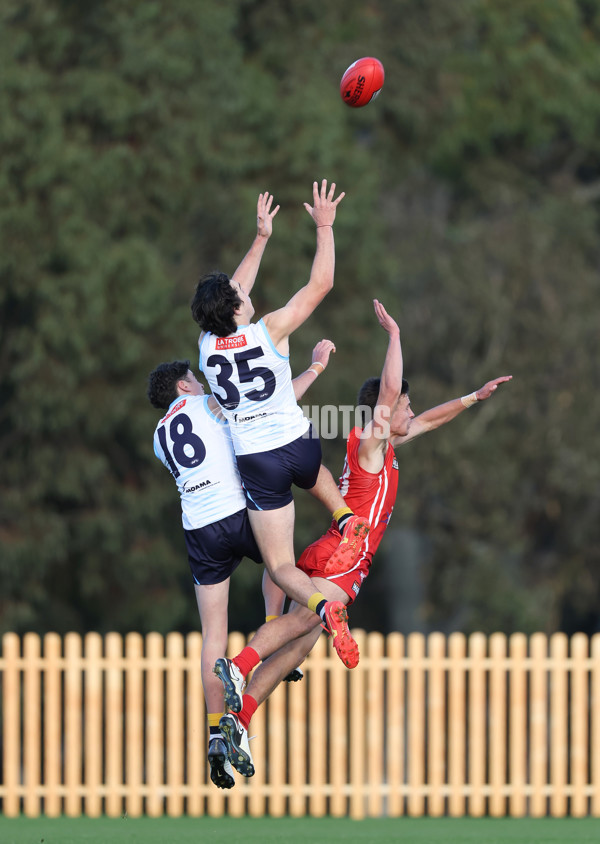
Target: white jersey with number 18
point(252, 382)
point(196, 448)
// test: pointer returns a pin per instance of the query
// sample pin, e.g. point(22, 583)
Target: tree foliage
point(135, 139)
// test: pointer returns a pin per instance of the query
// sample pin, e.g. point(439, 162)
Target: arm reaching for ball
point(433, 418)
point(281, 323)
point(246, 273)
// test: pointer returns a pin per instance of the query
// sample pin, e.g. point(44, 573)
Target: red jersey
point(370, 495)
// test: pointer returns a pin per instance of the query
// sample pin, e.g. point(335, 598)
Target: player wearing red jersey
point(369, 484)
point(247, 367)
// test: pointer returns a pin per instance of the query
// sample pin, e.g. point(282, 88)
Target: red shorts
point(313, 559)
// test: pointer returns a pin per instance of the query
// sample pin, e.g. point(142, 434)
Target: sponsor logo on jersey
point(395, 463)
point(238, 418)
point(173, 410)
point(231, 342)
point(201, 485)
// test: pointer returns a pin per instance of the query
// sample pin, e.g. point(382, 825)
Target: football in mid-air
point(362, 82)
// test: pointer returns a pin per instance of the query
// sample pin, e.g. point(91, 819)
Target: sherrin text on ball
point(362, 82)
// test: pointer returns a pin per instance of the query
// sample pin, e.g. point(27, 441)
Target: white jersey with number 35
point(196, 448)
point(252, 382)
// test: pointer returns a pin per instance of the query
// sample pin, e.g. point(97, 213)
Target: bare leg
point(326, 491)
point(290, 653)
point(270, 637)
point(273, 595)
point(212, 605)
point(269, 674)
point(274, 533)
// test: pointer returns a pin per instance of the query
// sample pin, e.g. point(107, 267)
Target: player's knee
point(214, 642)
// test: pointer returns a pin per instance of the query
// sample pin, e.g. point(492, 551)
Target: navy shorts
point(267, 476)
point(216, 550)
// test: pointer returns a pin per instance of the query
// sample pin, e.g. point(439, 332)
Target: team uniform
point(272, 439)
point(369, 495)
point(196, 448)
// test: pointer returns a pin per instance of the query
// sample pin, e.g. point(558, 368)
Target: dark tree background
point(134, 140)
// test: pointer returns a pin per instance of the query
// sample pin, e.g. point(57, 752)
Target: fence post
point(558, 724)
point(416, 723)
point(52, 724)
point(73, 718)
point(436, 707)
point(497, 725)
point(31, 722)
point(338, 745)
point(538, 728)
point(579, 724)
point(396, 716)
point(155, 712)
point(134, 723)
point(477, 731)
point(518, 725)
point(374, 729)
point(457, 731)
point(298, 732)
point(317, 706)
point(93, 703)
point(113, 721)
point(196, 739)
point(359, 728)
point(595, 725)
point(174, 720)
point(277, 723)
point(11, 732)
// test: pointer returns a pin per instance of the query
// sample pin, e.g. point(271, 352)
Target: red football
point(361, 82)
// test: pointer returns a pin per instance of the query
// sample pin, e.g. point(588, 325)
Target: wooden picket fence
point(425, 725)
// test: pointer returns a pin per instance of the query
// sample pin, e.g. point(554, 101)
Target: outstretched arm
point(320, 359)
point(281, 323)
point(433, 418)
point(245, 274)
point(374, 439)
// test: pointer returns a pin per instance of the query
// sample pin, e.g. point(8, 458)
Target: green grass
point(298, 831)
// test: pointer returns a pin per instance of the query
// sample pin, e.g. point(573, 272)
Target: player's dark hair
point(162, 382)
point(369, 393)
point(214, 304)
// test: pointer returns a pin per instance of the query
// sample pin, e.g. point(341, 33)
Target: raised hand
point(385, 320)
point(324, 205)
point(490, 388)
point(264, 215)
point(322, 351)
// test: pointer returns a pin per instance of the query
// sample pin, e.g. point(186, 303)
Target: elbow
point(324, 279)
point(327, 285)
point(390, 389)
point(322, 286)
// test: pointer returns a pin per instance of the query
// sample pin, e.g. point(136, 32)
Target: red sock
point(249, 707)
point(246, 660)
